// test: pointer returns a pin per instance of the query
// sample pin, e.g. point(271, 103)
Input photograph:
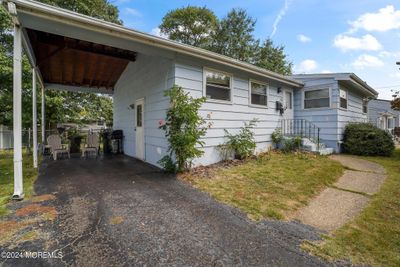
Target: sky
point(319, 35)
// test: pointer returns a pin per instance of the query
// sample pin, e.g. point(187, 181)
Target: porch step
point(310, 145)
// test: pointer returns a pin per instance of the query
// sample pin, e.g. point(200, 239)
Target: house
point(330, 101)
point(70, 51)
point(381, 114)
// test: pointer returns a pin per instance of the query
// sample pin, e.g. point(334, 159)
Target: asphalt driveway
point(121, 212)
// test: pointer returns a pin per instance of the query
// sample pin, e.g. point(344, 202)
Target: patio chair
point(92, 145)
point(56, 148)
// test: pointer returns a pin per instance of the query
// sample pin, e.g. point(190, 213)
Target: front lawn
point(7, 177)
point(373, 238)
point(273, 185)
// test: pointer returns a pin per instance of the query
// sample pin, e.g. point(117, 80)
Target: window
point(218, 86)
point(365, 106)
point(259, 94)
point(139, 116)
point(288, 100)
point(316, 98)
point(390, 123)
point(343, 98)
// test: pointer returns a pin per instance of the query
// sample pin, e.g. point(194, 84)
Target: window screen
point(365, 106)
point(139, 116)
point(288, 100)
point(316, 98)
point(218, 86)
point(343, 99)
point(259, 94)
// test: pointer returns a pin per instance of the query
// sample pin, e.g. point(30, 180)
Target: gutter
point(82, 21)
point(363, 84)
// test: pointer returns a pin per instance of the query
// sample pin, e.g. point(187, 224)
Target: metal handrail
point(302, 128)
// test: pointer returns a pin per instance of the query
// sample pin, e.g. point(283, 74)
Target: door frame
point(140, 101)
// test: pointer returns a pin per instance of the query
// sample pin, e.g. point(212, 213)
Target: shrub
point(276, 137)
point(367, 140)
point(241, 144)
point(183, 128)
point(291, 144)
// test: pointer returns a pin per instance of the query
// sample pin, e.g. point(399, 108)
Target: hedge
point(367, 140)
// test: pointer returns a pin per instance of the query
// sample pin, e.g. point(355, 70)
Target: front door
point(139, 128)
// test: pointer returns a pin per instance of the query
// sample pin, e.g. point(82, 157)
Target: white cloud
point(306, 66)
point(326, 71)
point(387, 18)
point(281, 14)
point(302, 38)
point(390, 54)
point(157, 32)
point(132, 12)
point(366, 42)
point(367, 61)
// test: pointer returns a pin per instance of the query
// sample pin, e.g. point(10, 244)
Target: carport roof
point(26, 11)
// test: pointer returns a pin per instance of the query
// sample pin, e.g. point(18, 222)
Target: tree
point(234, 36)
point(273, 58)
point(96, 107)
point(101, 9)
point(189, 25)
point(396, 100)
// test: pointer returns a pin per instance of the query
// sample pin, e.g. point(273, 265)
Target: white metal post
point(17, 114)
point(34, 120)
point(43, 120)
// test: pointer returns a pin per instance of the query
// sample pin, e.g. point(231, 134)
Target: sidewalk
point(343, 201)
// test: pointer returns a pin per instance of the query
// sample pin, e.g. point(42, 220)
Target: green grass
point(273, 185)
point(373, 238)
point(7, 178)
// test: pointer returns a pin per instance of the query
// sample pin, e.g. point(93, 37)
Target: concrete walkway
point(342, 202)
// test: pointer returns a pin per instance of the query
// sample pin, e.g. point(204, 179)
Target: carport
point(63, 57)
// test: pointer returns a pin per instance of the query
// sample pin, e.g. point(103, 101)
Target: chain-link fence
point(7, 137)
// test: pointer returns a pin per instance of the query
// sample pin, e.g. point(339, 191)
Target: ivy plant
point(184, 128)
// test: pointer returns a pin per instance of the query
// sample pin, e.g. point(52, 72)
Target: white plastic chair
point(56, 148)
point(92, 145)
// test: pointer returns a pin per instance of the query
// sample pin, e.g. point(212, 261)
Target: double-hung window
point(259, 93)
point(218, 85)
point(317, 98)
point(288, 100)
point(365, 106)
point(343, 98)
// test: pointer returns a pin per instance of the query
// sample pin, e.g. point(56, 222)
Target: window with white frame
point(317, 98)
point(343, 98)
point(288, 100)
point(259, 93)
point(365, 106)
point(218, 85)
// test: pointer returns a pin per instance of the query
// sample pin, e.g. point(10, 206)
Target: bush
point(184, 128)
point(367, 140)
point(291, 144)
point(276, 137)
point(241, 144)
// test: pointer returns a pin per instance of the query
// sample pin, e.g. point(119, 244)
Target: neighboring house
point(330, 101)
point(80, 53)
point(382, 115)
point(6, 137)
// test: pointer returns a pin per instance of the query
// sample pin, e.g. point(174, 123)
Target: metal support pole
point(17, 114)
point(43, 120)
point(34, 120)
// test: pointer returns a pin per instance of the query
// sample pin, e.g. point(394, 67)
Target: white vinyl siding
point(316, 98)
